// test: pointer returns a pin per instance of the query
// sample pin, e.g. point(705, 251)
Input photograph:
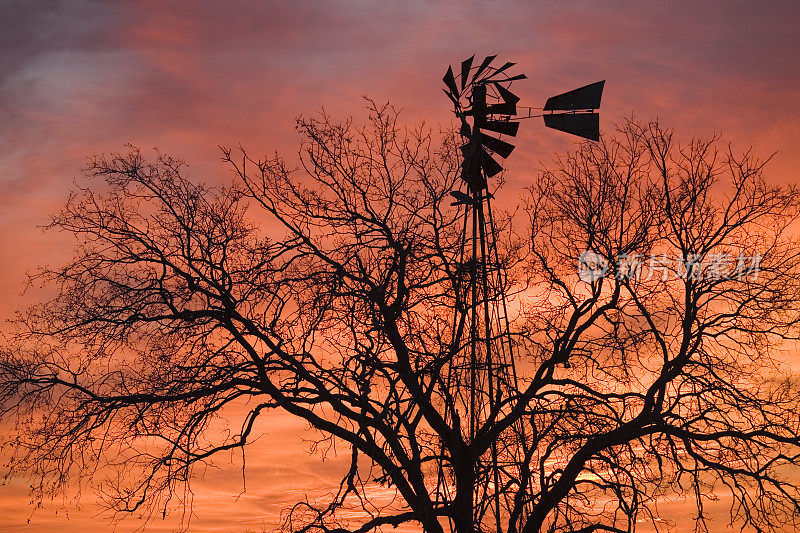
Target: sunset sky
point(81, 77)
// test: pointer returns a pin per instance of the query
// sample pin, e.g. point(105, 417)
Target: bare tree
point(330, 291)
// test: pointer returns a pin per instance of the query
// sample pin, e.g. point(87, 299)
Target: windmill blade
point(501, 148)
point(489, 165)
point(483, 66)
point(517, 77)
point(586, 125)
point(503, 127)
point(450, 81)
point(487, 162)
point(507, 96)
point(504, 67)
point(466, 66)
point(586, 97)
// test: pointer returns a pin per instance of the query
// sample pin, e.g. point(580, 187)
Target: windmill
point(482, 373)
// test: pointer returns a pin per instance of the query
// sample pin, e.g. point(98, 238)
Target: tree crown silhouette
point(329, 292)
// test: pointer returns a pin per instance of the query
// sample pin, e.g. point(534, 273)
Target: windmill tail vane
point(482, 373)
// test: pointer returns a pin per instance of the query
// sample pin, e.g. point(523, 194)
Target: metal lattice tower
point(482, 374)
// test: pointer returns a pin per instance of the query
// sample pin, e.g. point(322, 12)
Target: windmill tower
point(482, 374)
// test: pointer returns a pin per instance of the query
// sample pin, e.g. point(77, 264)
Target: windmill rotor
point(481, 92)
